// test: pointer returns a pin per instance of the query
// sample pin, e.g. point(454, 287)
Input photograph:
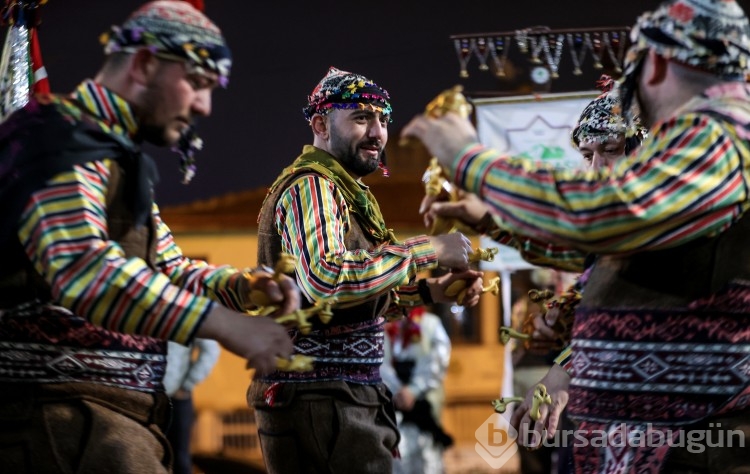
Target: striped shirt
point(689, 179)
point(313, 217)
point(63, 230)
point(540, 253)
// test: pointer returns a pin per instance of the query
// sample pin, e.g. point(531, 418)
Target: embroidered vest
point(269, 248)
point(350, 347)
point(664, 337)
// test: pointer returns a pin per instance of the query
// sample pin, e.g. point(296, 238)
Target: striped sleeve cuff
point(422, 252)
point(565, 360)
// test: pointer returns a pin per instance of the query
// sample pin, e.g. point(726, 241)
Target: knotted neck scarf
point(362, 201)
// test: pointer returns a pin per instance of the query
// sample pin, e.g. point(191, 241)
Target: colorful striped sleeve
point(64, 232)
point(565, 359)
point(219, 283)
point(312, 218)
point(543, 254)
point(407, 296)
point(685, 182)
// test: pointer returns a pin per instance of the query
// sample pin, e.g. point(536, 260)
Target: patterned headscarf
point(176, 29)
point(602, 118)
point(345, 90)
point(712, 35)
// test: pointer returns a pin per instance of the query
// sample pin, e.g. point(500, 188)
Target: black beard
point(358, 165)
point(351, 160)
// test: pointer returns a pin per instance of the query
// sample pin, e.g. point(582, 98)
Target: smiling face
point(174, 96)
point(599, 154)
point(357, 138)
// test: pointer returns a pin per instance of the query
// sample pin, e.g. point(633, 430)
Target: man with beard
point(661, 338)
point(92, 284)
point(340, 415)
point(602, 136)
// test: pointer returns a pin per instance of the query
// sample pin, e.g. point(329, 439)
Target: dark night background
point(282, 48)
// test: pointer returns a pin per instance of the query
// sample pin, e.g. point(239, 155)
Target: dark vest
point(46, 142)
point(51, 144)
point(269, 248)
point(135, 240)
point(671, 278)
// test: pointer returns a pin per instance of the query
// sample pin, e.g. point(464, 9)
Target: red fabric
point(41, 81)
point(198, 4)
point(269, 396)
point(407, 329)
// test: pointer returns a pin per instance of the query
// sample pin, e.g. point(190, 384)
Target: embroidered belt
point(651, 365)
point(42, 343)
point(352, 353)
point(42, 363)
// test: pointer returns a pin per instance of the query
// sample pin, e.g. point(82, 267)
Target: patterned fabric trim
point(672, 366)
point(352, 353)
point(622, 452)
point(48, 344)
point(646, 375)
point(44, 363)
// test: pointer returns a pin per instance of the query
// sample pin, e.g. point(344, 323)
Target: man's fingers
point(553, 420)
point(413, 128)
point(551, 317)
point(528, 434)
point(542, 329)
point(517, 415)
point(291, 295)
point(470, 302)
point(429, 219)
point(446, 209)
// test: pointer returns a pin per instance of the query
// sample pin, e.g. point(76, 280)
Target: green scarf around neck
point(361, 201)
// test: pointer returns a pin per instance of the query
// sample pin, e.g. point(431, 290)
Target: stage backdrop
point(537, 127)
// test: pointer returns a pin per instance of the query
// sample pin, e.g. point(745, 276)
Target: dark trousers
point(83, 428)
point(724, 450)
point(179, 434)
point(331, 427)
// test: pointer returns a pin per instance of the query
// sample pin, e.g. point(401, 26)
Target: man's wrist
point(485, 224)
point(423, 288)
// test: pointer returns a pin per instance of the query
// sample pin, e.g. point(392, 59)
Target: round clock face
point(540, 75)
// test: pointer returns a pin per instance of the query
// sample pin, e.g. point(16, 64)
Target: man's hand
point(473, 289)
point(281, 290)
point(257, 339)
point(404, 399)
point(181, 394)
point(443, 136)
point(544, 338)
point(468, 209)
point(452, 250)
point(530, 432)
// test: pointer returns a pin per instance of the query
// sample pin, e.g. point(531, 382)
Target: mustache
point(373, 143)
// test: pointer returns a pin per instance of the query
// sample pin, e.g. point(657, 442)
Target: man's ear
point(319, 124)
point(657, 71)
point(143, 66)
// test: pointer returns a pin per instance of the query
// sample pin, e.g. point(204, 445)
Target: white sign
point(537, 127)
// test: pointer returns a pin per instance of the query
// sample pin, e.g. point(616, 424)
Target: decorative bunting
point(543, 46)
